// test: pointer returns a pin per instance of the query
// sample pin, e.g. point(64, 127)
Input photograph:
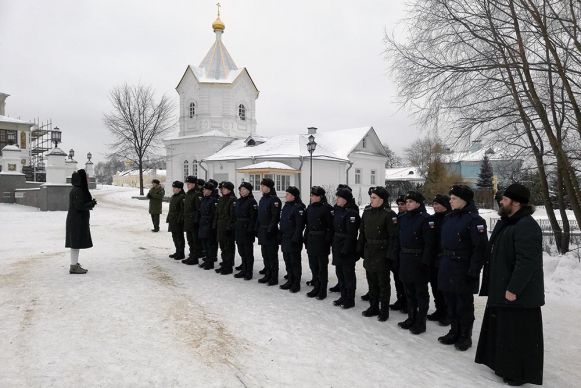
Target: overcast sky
point(316, 63)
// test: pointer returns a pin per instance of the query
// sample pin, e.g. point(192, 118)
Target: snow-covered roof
point(7, 119)
point(475, 156)
point(213, 133)
point(217, 65)
point(135, 172)
point(335, 145)
point(402, 174)
point(268, 165)
point(11, 147)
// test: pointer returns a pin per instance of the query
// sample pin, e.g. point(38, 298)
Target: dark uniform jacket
point(175, 215)
point(292, 225)
point(225, 217)
point(319, 228)
point(267, 219)
point(78, 232)
point(462, 250)
point(346, 222)
point(415, 246)
point(207, 217)
point(516, 262)
point(245, 210)
point(155, 196)
point(435, 222)
point(375, 238)
point(191, 210)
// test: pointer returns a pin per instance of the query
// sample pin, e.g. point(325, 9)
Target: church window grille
point(357, 176)
point(372, 180)
point(186, 169)
point(242, 112)
point(192, 109)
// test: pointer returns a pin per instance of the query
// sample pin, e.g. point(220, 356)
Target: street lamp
point(89, 156)
point(311, 146)
point(55, 136)
point(71, 154)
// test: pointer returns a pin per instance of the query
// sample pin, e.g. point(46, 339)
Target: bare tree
point(138, 123)
point(423, 152)
point(393, 159)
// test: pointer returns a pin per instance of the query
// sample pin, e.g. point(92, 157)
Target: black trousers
point(347, 280)
point(194, 244)
point(399, 288)
point(460, 307)
point(417, 298)
point(178, 241)
point(379, 286)
point(270, 258)
point(246, 252)
point(227, 249)
point(319, 264)
point(210, 246)
point(292, 261)
point(155, 220)
point(439, 299)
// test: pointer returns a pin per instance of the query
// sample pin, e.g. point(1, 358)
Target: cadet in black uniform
point(415, 259)
point(346, 223)
point(267, 230)
point(225, 227)
point(318, 238)
point(292, 224)
point(191, 220)
point(207, 232)
point(375, 246)
point(337, 287)
point(400, 302)
point(245, 210)
point(463, 253)
point(175, 219)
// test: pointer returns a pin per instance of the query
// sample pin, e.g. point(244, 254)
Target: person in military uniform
point(292, 225)
point(462, 254)
point(245, 209)
point(416, 240)
point(175, 219)
point(225, 227)
point(318, 238)
point(267, 230)
point(155, 196)
point(191, 219)
point(346, 223)
point(400, 301)
point(441, 205)
point(207, 229)
point(375, 247)
point(337, 287)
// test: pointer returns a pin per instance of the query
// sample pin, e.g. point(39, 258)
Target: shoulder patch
point(394, 220)
point(332, 212)
point(352, 220)
point(432, 224)
point(481, 228)
point(255, 206)
point(276, 204)
point(301, 212)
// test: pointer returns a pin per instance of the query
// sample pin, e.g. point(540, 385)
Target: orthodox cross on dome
point(218, 5)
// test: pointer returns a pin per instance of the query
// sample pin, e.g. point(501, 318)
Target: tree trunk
point(140, 176)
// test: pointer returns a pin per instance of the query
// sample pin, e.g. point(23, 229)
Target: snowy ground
point(139, 318)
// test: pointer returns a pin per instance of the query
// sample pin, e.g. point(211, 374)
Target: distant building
point(404, 174)
point(130, 178)
point(14, 132)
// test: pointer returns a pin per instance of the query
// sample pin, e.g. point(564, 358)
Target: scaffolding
point(40, 144)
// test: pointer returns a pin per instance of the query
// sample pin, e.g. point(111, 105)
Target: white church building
point(217, 137)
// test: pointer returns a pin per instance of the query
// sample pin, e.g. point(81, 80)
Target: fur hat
point(156, 181)
point(518, 193)
point(201, 182)
point(247, 185)
point(462, 191)
point(318, 191)
point(178, 185)
point(209, 186)
point(400, 199)
point(344, 186)
point(345, 193)
point(381, 192)
point(415, 196)
point(267, 182)
point(443, 200)
point(192, 179)
point(294, 191)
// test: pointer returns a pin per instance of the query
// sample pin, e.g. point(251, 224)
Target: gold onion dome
point(218, 24)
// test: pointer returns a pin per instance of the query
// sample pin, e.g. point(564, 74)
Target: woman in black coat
point(78, 232)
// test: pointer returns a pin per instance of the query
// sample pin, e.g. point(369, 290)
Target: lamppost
point(311, 146)
point(55, 136)
point(71, 154)
point(89, 156)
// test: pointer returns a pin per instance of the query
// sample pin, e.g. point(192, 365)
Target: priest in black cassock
point(511, 339)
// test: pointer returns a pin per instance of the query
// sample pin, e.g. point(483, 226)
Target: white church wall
point(365, 164)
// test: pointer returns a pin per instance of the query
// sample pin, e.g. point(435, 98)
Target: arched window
point(192, 109)
point(364, 142)
point(242, 112)
point(186, 169)
point(195, 168)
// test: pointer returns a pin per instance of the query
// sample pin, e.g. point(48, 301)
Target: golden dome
point(218, 24)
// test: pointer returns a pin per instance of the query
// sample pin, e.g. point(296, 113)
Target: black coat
point(319, 228)
point(191, 210)
point(78, 231)
point(175, 215)
point(292, 224)
point(415, 246)
point(515, 262)
point(207, 228)
point(268, 218)
point(435, 222)
point(346, 222)
point(462, 250)
point(376, 238)
point(245, 209)
point(225, 217)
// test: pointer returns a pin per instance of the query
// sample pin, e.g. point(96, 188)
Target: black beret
point(227, 185)
point(518, 193)
point(345, 193)
point(381, 192)
point(178, 184)
point(246, 185)
point(191, 179)
point(294, 191)
point(443, 200)
point(400, 199)
point(267, 182)
point(209, 186)
point(318, 191)
point(462, 191)
point(415, 196)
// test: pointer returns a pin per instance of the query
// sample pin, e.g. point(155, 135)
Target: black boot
point(240, 267)
point(373, 309)
point(335, 288)
point(322, 291)
point(341, 300)
point(315, 291)
point(209, 265)
point(465, 340)
point(248, 275)
point(349, 299)
point(286, 286)
point(409, 322)
point(263, 279)
point(173, 255)
point(239, 275)
point(262, 271)
point(383, 312)
point(286, 277)
point(365, 297)
point(452, 336)
point(226, 271)
point(419, 325)
point(190, 261)
point(397, 305)
point(435, 316)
